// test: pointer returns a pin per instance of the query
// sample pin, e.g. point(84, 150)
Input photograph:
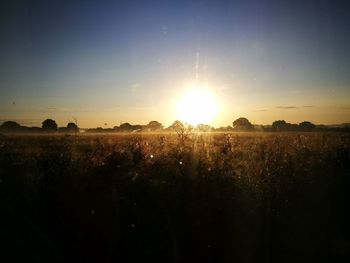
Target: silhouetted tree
point(242, 124)
point(49, 125)
point(181, 130)
point(306, 126)
point(72, 127)
point(125, 126)
point(177, 126)
point(10, 126)
point(279, 125)
point(282, 125)
point(154, 126)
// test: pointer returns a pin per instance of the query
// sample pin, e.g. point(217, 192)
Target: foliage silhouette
point(242, 124)
point(49, 125)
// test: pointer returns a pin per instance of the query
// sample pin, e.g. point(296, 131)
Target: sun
point(197, 106)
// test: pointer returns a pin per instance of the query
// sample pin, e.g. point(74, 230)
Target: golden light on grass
point(197, 105)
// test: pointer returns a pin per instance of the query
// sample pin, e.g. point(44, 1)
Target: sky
point(108, 62)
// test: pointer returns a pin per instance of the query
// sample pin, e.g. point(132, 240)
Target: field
point(238, 197)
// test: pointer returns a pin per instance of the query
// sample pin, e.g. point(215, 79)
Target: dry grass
point(238, 197)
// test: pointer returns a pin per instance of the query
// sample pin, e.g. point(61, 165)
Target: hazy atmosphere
point(175, 131)
point(107, 62)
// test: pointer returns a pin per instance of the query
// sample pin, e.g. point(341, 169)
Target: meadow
point(191, 197)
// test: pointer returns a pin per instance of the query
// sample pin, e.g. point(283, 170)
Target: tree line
point(240, 124)
point(47, 125)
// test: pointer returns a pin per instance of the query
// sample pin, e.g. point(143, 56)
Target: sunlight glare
point(197, 106)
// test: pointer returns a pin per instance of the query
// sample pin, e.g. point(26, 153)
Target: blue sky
point(116, 61)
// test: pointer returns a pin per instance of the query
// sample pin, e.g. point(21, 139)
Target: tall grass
point(238, 197)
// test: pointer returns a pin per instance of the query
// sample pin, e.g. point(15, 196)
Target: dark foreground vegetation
point(247, 197)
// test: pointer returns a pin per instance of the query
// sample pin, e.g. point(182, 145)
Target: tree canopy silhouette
point(72, 127)
point(242, 124)
point(154, 126)
point(10, 126)
point(306, 126)
point(49, 125)
point(279, 125)
point(176, 126)
point(282, 125)
point(127, 127)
